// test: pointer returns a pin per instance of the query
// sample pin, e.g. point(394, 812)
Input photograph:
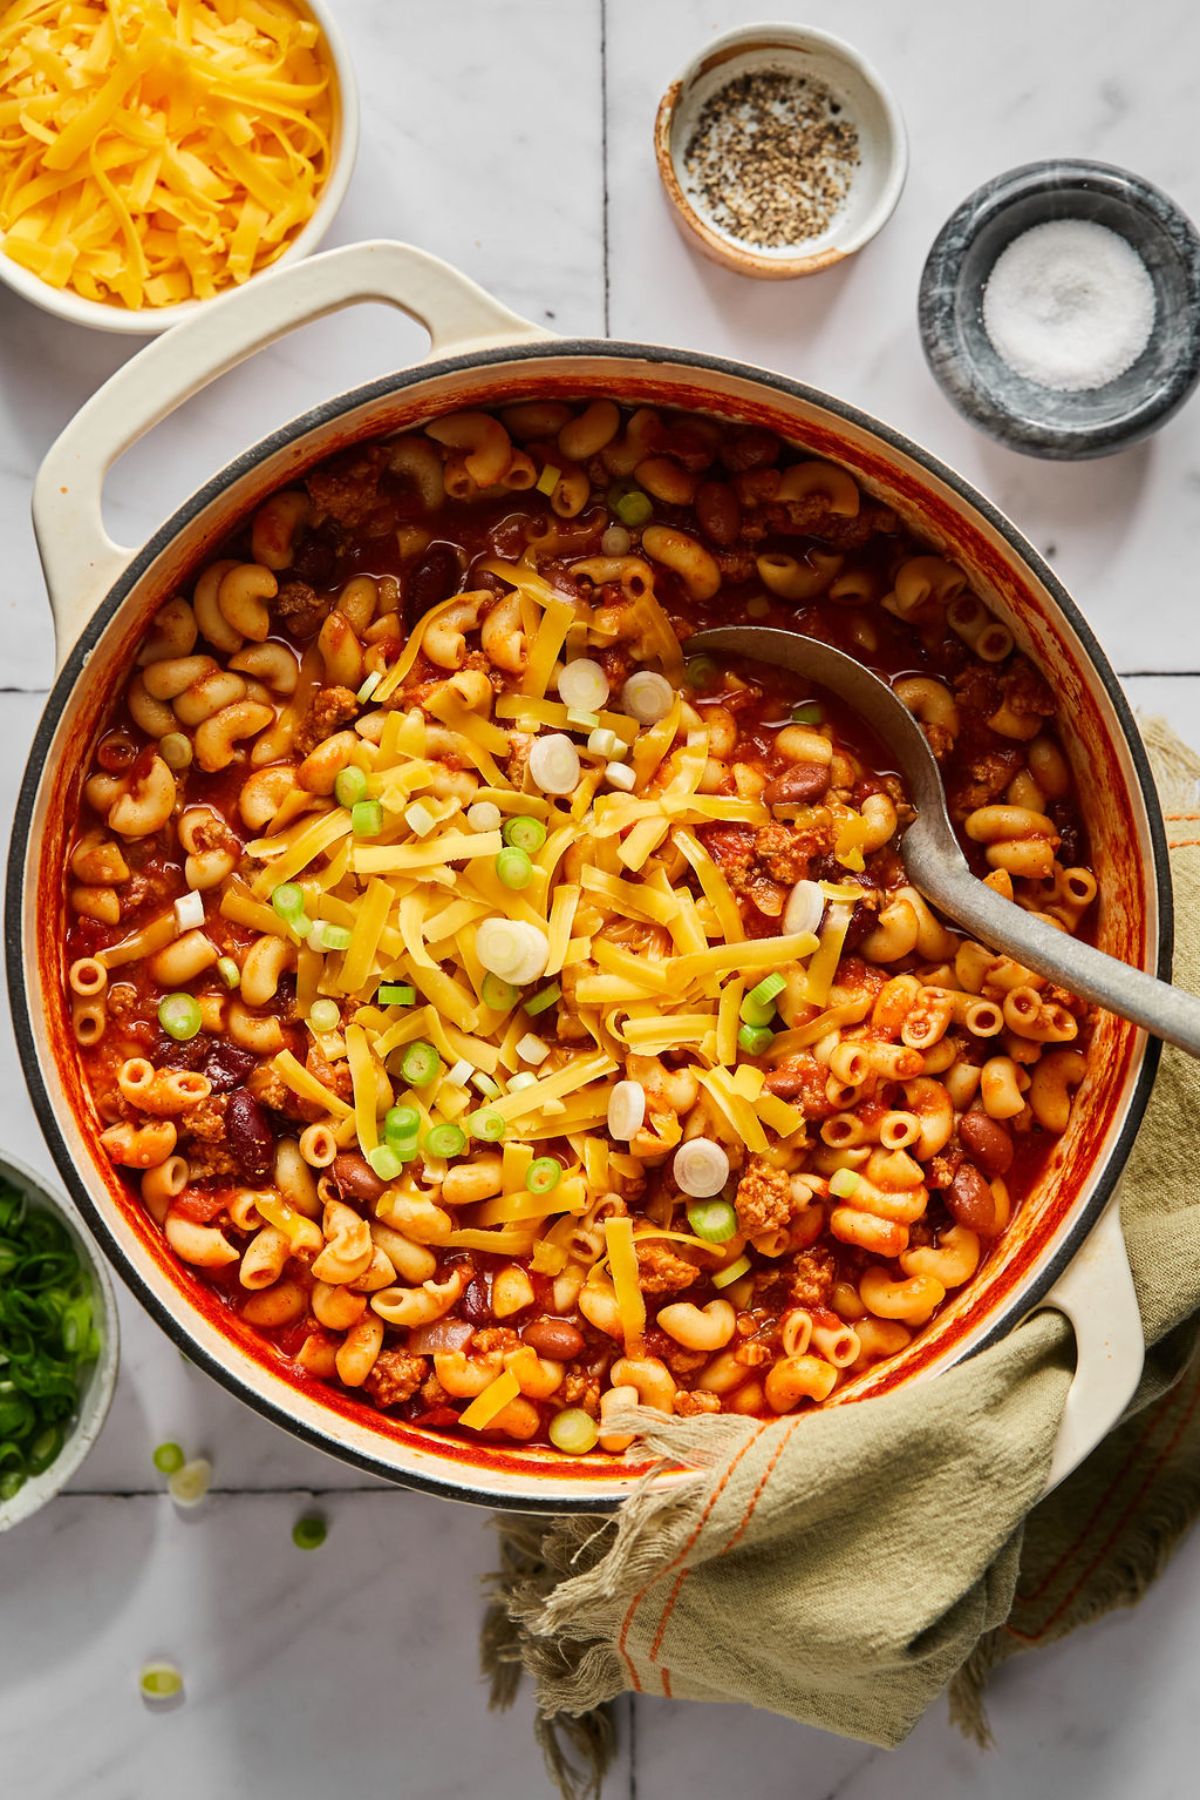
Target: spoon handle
point(1164, 1011)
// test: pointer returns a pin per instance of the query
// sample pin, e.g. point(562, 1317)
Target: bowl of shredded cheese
point(156, 154)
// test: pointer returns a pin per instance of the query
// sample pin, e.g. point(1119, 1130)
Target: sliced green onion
point(324, 1015)
point(524, 1078)
point(44, 1448)
point(309, 1533)
point(188, 1486)
point(350, 786)
point(844, 1184)
point(498, 993)
point(180, 1016)
point(487, 1124)
point(543, 1174)
point(229, 972)
point(488, 1088)
point(324, 936)
point(175, 750)
point(514, 867)
point(366, 818)
point(369, 685)
point(540, 1002)
point(574, 1431)
point(755, 1039)
point(446, 1140)
point(768, 987)
point(524, 833)
point(549, 479)
point(386, 1161)
point(168, 1458)
point(395, 993)
point(288, 901)
point(726, 1277)
point(634, 509)
point(400, 1122)
point(713, 1220)
point(419, 1064)
point(160, 1681)
point(811, 712)
point(754, 1014)
point(701, 673)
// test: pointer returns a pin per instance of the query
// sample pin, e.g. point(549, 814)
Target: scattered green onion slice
point(160, 1681)
point(574, 1431)
point(372, 681)
point(768, 987)
point(488, 1088)
point(811, 712)
point(168, 1458)
point(419, 1064)
point(386, 1161)
point(755, 1039)
point(539, 1002)
point(175, 750)
point(395, 993)
point(350, 786)
point(755, 1014)
point(543, 1174)
point(324, 936)
point(188, 1485)
point(229, 972)
point(309, 1533)
point(701, 673)
point(514, 867)
point(401, 1122)
point(446, 1140)
point(366, 818)
point(288, 901)
point(726, 1277)
point(634, 509)
point(524, 833)
point(499, 994)
point(713, 1220)
point(324, 1015)
point(844, 1183)
point(487, 1124)
point(180, 1016)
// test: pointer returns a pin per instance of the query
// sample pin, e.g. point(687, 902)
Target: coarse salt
point(1069, 305)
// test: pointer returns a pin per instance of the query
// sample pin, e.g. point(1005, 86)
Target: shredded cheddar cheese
point(159, 152)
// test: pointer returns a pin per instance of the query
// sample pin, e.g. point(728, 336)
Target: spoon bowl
point(933, 856)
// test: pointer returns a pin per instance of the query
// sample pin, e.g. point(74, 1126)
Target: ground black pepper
point(772, 158)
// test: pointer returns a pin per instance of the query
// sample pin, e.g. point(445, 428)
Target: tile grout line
point(604, 158)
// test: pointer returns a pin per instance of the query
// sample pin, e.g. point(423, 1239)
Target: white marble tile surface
point(486, 140)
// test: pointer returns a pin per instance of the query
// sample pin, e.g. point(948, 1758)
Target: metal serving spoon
point(932, 855)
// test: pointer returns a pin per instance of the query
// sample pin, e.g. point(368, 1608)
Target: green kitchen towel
point(844, 1567)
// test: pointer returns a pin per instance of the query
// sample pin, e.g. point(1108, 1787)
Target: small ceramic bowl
point(1024, 415)
point(147, 321)
point(877, 179)
point(98, 1387)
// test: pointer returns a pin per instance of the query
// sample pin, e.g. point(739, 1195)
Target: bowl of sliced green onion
point(58, 1343)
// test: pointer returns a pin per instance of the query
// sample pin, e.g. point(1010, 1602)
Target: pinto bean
point(555, 1338)
point(354, 1177)
point(971, 1201)
point(250, 1136)
point(988, 1143)
point(803, 782)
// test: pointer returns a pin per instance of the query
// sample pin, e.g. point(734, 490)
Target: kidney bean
point(227, 1065)
point(169, 1053)
point(718, 512)
point(475, 1305)
point(971, 1201)
point(314, 556)
point(803, 782)
point(250, 1136)
point(436, 577)
point(555, 1338)
point(749, 447)
point(354, 1177)
point(988, 1143)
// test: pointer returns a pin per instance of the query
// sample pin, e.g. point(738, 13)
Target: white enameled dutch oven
point(1065, 1248)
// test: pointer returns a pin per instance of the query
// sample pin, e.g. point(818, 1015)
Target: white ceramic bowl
point(64, 303)
point(796, 50)
point(97, 1393)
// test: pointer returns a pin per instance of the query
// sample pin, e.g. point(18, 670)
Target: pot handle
point(79, 559)
point(1097, 1295)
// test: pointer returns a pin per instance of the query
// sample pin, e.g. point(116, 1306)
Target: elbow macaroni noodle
point(324, 780)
